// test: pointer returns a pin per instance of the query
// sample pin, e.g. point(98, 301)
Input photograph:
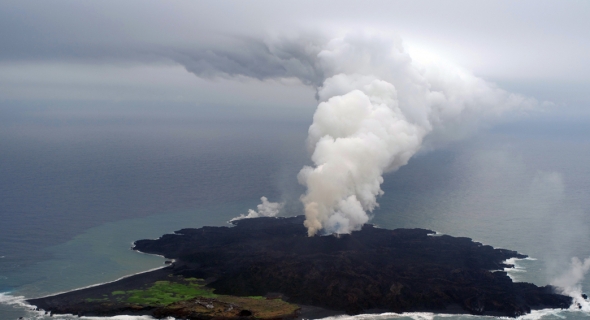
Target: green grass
point(163, 293)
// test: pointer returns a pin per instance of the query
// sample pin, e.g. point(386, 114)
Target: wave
point(32, 314)
point(516, 269)
point(125, 317)
point(534, 315)
point(8, 299)
point(387, 315)
point(20, 302)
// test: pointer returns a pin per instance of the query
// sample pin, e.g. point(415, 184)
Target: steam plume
point(569, 282)
point(265, 209)
point(378, 107)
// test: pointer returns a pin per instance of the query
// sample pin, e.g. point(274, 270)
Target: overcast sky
point(121, 50)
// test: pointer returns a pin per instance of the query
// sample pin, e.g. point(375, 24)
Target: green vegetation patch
point(190, 295)
point(163, 293)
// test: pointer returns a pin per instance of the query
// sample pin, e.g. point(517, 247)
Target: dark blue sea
point(80, 183)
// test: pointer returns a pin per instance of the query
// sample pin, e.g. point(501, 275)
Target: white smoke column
point(570, 282)
point(357, 136)
point(378, 107)
point(265, 209)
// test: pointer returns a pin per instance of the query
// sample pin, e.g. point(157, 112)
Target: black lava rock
point(370, 269)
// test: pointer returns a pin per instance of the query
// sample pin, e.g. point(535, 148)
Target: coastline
point(310, 312)
point(508, 270)
point(98, 284)
point(20, 301)
point(104, 301)
point(259, 257)
point(307, 311)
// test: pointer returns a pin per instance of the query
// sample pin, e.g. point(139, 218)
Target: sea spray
point(569, 283)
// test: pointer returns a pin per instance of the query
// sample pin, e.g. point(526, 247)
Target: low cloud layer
point(539, 48)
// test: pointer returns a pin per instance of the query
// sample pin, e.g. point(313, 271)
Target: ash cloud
point(377, 108)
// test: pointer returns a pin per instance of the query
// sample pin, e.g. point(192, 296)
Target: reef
point(266, 268)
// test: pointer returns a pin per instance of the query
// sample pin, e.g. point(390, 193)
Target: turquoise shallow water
point(103, 254)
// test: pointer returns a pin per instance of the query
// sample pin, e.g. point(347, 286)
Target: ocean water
point(77, 190)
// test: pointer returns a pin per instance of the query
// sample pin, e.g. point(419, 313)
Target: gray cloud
point(521, 45)
point(255, 58)
point(536, 35)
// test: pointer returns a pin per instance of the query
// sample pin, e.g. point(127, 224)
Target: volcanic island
point(268, 268)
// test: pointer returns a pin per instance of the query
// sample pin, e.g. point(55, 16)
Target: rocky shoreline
point(268, 260)
point(117, 298)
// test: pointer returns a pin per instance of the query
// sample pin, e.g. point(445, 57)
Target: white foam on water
point(572, 313)
point(122, 317)
point(407, 315)
point(71, 317)
point(386, 315)
point(7, 298)
point(413, 316)
point(19, 302)
point(550, 314)
point(543, 314)
point(512, 272)
point(32, 314)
